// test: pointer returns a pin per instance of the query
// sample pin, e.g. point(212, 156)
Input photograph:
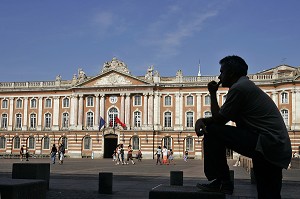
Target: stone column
point(127, 110)
point(55, 113)
point(199, 105)
point(150, 109)
point(11, 113)
point(156, 119)
point(40, 114)
point(275, 97)
point(80, 112)
point(145, 117)
point(295, 110)
point(176, 115)
point(96, 121)
point(73, 114)
point(25, 119)
point(102, 106)
point(181, 114)
point(122, 111)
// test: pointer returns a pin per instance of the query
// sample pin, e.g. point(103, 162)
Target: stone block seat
point(179, 192)
point(22, 188)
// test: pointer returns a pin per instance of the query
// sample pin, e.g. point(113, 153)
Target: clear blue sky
point(41, 39)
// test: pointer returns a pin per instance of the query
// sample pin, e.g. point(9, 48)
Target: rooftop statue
point(115, 64)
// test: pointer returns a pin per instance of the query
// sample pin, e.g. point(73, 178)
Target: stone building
point(144, 111)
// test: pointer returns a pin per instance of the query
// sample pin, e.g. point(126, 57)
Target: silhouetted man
point(260, 132)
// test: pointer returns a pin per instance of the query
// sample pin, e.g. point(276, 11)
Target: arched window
point(64, 140)
point(285, 116)
point(87, 143)
point(168, 100)
point(5, 104)
point(2, 142)
point(137, 118)
point(189, 119)
point(31, 142)
point(90, 119)
point(16, 142)
point(46, 142)
point(65, 120)
point(33, 103)
point(167, 116)
point(135, 142)
point(66, 102)
point(207, 114)
point(18, 121)
point(190, 100)
point(112, 114)
point(4, 121)
point(32, 120)
point(189, 144)
point(47, 120)
point(167, 141)
point(207, 100)
point(284, 98)
point(19, 103)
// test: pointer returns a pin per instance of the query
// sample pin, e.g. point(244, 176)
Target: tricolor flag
point(119, 122)
point(101, 123)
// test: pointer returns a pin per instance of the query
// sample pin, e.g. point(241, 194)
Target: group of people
point(164, 154)
point(60, 151)
point(119, 155)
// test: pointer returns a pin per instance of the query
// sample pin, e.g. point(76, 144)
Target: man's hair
point(236, 64)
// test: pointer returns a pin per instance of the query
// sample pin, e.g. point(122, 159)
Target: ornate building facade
point(156, 110)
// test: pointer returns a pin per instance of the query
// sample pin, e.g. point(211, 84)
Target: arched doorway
point(110, 143)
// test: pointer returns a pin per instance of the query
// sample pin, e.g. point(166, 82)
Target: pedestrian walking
point(61, 151)
point(185, 156)
point(22, 152)
point(129, 154)
point(158, 154)
point(165, 155)
point(53, 153)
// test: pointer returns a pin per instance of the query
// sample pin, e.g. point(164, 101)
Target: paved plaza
point(78, 178)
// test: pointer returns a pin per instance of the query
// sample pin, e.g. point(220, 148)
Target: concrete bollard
point(105, 183)
point(176, 178)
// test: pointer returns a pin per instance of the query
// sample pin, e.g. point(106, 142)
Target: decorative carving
point(113, 79)
point(116, 65)
point(149, 74)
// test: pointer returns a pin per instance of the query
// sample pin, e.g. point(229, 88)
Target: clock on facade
point(113, 99)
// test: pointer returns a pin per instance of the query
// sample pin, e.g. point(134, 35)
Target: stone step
point(182, 192)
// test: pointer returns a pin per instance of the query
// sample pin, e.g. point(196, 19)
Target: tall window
point(33, 121)
point(18, 121)
point(207, 100)
point(168, 101)
point(207, 114)
point(189, 100)
point(90, 119)
point(66, 102)
point(48, 103)
point(137, 100)
point(167, 119)
point(89, 101)
point(189, 119)
point(4, 103)
point(2, 142)
point(19, 103)
point(189, 144)
point(47, 120)
point(33, 103)
point(135, 143)
point(137, 119)
point(46, 143)
point(31, 142)
point(4, 121)
point(167, 141)
point(87, 142)
point(112, 114)
point(65, 120)
point(16, 142)
point(284, 98)
point(285, 116)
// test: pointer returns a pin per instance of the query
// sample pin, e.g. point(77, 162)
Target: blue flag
point(101, 123)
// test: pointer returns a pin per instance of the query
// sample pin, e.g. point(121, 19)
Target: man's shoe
point(217, 186)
